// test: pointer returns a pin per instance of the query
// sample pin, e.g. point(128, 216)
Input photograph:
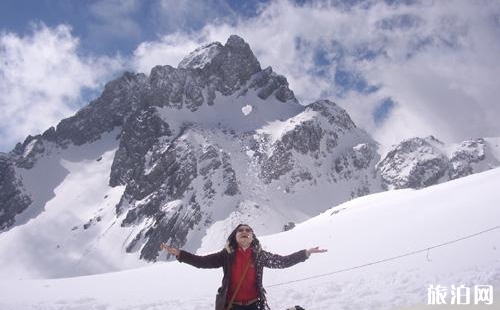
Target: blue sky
point(401, 68)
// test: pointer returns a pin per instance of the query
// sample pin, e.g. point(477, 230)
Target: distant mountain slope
point(418, 162)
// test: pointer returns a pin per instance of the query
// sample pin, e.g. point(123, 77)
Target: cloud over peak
point(43, 78)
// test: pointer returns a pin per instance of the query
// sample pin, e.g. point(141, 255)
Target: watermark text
point(460, 295)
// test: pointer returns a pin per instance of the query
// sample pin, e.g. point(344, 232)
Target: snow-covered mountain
point(183, 153)
point(420, 162)
point(385, 251)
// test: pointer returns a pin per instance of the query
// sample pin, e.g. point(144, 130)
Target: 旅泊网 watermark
point(460, 295)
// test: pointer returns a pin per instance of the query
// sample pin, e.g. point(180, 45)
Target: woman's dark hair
point(232, 238)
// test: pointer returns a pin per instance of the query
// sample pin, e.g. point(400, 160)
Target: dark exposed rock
point(414, 163)
point(140, 133)
point(334, 114)
point(288, 226)
point(169, 179)
point(358, 158)
point(119, 99)
point(468, 153)
point(229, 176)
point(13, 200)
point(171, 229)
point(29, 152)
point(304, 138)
point(311, 137)
point(277, 165)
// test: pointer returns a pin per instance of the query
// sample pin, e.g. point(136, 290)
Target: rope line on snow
point(388, 259)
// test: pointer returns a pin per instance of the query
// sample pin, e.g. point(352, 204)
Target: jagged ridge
point(218, 138)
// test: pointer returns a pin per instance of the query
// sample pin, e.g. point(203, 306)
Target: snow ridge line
point(387, 259)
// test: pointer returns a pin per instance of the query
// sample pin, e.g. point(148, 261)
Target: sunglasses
point(245, 230)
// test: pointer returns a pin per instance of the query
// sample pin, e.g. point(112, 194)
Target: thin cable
point(386, 259)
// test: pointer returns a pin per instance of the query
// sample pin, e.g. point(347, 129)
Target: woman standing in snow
point(242, 261)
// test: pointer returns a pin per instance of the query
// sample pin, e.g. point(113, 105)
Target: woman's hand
point(315, 250)
point(169, 249)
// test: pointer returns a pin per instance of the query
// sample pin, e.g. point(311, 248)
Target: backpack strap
point(245, 271)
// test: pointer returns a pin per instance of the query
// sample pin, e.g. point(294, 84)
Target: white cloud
point(42, 80)
point(448, 86)
point(437, 60)
point(169, 50)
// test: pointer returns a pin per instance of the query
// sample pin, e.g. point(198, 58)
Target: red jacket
point(248, 290)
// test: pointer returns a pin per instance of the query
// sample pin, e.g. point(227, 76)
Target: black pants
point(247, 307)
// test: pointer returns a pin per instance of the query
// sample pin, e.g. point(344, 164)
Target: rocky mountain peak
point(237, 42)
point(333, 113)
point(210, 142)
point(414, 163)
point(420, 162)
point(234, 62)
point(201, 56)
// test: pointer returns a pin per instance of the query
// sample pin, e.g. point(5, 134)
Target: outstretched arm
point(315, 250)
point(271, 260)
point(214, 260)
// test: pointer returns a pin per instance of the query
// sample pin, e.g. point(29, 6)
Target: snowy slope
point(59, 236)
point(384, 251)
